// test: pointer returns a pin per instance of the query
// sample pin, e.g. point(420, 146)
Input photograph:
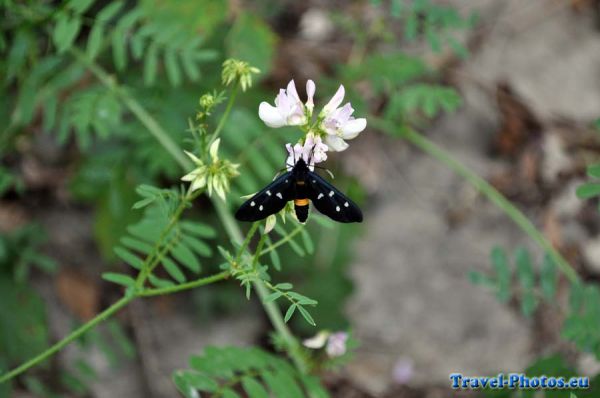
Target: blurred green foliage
point(590, 190)
point(221, 371)
point(530, 286)
point(554, 365)
point(163, 54)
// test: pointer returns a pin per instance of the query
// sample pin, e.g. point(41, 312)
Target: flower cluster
point(215, 175)
point(312, 151)
point(335, 343)
point(234, 69)
point(333, 126)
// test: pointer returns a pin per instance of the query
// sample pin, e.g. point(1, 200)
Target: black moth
point(300, 184)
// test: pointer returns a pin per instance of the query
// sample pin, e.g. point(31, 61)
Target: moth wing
point(331, 202)
point(269, 200)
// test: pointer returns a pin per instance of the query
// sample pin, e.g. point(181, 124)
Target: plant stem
point(270, 308)
point(225, 116)
point(294, 348)
point(153, 260)
point(282, 241)
point(71, 337)
point(246, 242)
point(225, 216)
point(258, 250)
point(136, 108)
point(489, 191)
point(185, 286)
point(231, 227)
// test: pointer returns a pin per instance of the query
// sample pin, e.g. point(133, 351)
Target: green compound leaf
point(120, 279)
point(588, 190)
point(186, 257)
point(253, 388)
point(256, 372)
point(548, 278)
point(66, 30)
point(500, 264)
point(594, 170)
point(129, 258)
point(252, 41)
point(290, 311)
point(306, 315)
point(272, 297)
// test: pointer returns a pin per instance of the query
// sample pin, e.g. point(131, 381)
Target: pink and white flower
point(335, 343)
point(289, 109)
point(313, 151)
point(338, 122)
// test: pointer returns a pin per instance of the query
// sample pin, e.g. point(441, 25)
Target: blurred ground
point(527, 95)
point(530, 87)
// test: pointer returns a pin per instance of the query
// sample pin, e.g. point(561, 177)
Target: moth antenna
point(327, 170)
point(312, 154)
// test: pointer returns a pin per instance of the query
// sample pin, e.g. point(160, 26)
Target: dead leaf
point(518, 123)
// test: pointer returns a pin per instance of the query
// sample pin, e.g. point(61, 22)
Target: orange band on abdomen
point(301, 202)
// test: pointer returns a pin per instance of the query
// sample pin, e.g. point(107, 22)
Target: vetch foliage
point(223, 371)
point(161, 239)
point(590, 189)
point(531, 286)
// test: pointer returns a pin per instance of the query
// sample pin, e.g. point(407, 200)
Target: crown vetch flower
point(317, 341)
point(338, 122)
point(313, 151)
point(289, 109)
point(335, 343)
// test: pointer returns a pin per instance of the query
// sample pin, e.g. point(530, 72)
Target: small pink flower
point(403, 371)
point(338, 122)
point(310, 92)
point(313, 151)
point(289, 109)
point(336, 344)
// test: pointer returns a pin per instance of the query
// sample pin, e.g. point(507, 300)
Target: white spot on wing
point(337, 208)
point(260, 208)
point(331, 193)
point(279, 195)
point(252, 204)
point(346, 204)
point(269, 193)
point(320, 196)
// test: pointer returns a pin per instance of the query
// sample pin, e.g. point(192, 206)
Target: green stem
point(153, 260)
point(231, 227)
point(489, 191)
point(136, 108)
point(258, 250)
point(271, 308)
point(282, 241)
point(294, 348)
point(225, 216)
point(246, 242)
point(225, 116)
point(71, 337)
point(229, 223)
point(185, 286)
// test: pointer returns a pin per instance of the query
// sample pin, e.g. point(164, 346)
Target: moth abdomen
point(301, 208)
